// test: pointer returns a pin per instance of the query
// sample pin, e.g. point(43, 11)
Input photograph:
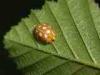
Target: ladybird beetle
point(44, 33)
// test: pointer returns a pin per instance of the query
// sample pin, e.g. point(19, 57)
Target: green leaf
point(76, 50)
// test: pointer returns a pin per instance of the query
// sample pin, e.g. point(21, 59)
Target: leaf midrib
point(61, 57)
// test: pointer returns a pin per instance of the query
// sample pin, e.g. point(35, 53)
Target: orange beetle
point(44, 33)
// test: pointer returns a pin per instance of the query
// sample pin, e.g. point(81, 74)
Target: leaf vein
point(74, 54)
point(90, 54)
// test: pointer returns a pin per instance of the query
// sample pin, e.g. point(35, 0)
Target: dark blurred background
point(11, 12)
